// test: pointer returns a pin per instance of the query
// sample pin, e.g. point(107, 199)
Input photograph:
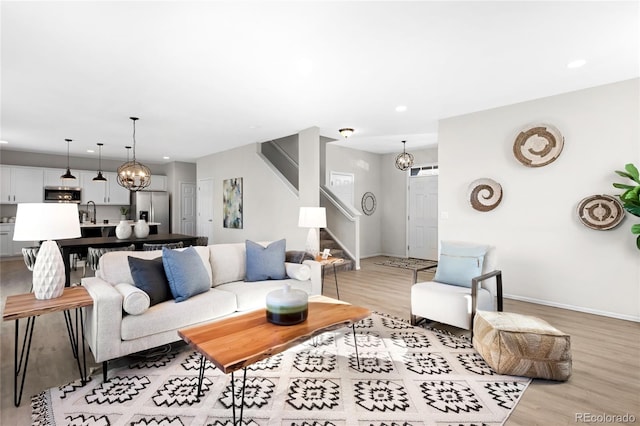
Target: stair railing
point(343, 223)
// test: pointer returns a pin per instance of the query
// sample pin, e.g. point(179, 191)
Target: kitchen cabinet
point(103, 193)
point(52, 177)
point(8, 247)
point(21, 184)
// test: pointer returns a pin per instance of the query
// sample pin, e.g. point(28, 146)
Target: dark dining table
point(72, 245)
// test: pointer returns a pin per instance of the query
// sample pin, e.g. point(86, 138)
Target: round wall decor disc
point(485, 194)
point(368, 203)
point(600, 212)
point(538, 146)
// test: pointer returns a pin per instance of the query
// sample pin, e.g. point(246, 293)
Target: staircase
point(326, 242)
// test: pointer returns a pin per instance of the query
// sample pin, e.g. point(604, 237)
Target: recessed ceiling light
point(90, 150)
point(576, 64)
point(4, 142)
point(401, 108)
point(166, 157)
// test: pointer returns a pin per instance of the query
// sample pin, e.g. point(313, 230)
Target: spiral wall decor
point(600, 212)
point(538, 146)
point(485, 194)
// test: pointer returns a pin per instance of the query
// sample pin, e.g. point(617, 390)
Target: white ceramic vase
point(123, 230)
point(141, 229)
point(48, 272)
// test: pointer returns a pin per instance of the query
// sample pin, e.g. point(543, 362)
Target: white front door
point(204, 202)
point(423, 217)
point(188, 208)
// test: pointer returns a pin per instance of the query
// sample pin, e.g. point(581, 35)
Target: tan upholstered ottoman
point(522, 345)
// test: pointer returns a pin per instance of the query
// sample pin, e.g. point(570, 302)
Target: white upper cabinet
point(103, 193)
point(53, 177)
point(21, 185)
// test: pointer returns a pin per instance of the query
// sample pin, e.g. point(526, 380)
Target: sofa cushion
point(149, 276)
point(204, 307)
point(186, 274)
point(254, 295)
point(114, 266)
point(459, 263)
point(228, 262)
point(264, 263)
point(298, 271)
point(134, 300)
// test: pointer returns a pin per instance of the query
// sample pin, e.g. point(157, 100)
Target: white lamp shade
point(312, 217)
point(46, 221)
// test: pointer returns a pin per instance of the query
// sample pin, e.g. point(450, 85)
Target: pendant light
point(405, 160)
point(68, 175)
point(100, 178)
point(134, 175)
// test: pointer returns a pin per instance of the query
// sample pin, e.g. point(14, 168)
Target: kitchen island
point(88, 229)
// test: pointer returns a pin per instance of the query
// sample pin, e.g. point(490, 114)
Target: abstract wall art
point(232, 203)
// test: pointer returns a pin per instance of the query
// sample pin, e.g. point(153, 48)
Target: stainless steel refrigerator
point(155, 206)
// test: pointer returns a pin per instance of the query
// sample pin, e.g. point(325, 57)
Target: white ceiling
point(208, 76)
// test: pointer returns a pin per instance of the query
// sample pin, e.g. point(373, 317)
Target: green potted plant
point(631, 196)
point(123, 212)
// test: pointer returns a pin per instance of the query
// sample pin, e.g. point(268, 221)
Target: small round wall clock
point(368, 203)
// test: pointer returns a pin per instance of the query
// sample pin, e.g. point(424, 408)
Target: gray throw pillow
point(186, 274)
point(265, 263)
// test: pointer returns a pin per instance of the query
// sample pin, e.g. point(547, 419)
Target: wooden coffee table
point(239, 341)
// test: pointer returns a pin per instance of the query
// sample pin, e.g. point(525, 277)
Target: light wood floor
point(606, 351)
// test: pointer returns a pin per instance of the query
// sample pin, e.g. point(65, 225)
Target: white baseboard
point(574, 308)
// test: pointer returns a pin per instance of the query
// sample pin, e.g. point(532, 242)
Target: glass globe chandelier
point(404, 161)
point(134, 175)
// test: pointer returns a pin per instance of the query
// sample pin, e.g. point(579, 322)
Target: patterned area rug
point(408, 376)
point(406, 263)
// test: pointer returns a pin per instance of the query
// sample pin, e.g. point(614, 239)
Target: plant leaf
point(624, 174)
point(638, 243)
point(634, 210)
point(632, 170)
point(635, 229)
point(623, 186)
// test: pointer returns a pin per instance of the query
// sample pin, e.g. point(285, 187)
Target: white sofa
point(112, 333)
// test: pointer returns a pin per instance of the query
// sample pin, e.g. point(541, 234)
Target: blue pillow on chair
point(266, 263)
point(459, 263)
point(186, 274)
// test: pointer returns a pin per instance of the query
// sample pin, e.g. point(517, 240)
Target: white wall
point(547, 255)
point(270, 208)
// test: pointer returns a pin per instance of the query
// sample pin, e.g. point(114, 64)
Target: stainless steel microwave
point(62, 194)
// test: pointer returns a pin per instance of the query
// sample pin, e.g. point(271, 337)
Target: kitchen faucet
point(92, 220)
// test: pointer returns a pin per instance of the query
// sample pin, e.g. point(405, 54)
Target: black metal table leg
point(355, 344)
point(201, 375)
point(233, 396)
point(18, 364)
point(76, 338)
point(335, 275)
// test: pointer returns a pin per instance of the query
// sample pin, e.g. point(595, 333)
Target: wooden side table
point(333, 262)
point(27, 306)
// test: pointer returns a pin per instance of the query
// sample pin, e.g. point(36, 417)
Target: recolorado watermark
point(604, 418)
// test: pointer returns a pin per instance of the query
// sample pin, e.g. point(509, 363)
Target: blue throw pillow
point(149, 276)
point(186, 274)
point(266, 263)
point(459, 263)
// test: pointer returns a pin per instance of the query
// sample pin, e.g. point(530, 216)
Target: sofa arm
point(316, 276)
point(103, 319)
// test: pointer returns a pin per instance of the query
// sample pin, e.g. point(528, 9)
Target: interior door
point(423, 217)
point(188, 208)
point(204, 201)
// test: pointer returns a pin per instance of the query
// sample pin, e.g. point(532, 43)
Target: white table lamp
point(312, 218)
point(49, 222)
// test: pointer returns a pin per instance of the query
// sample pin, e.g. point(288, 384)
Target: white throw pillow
point(298, 271)
point(135, 301)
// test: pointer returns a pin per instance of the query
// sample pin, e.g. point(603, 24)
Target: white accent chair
point(469, 281)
